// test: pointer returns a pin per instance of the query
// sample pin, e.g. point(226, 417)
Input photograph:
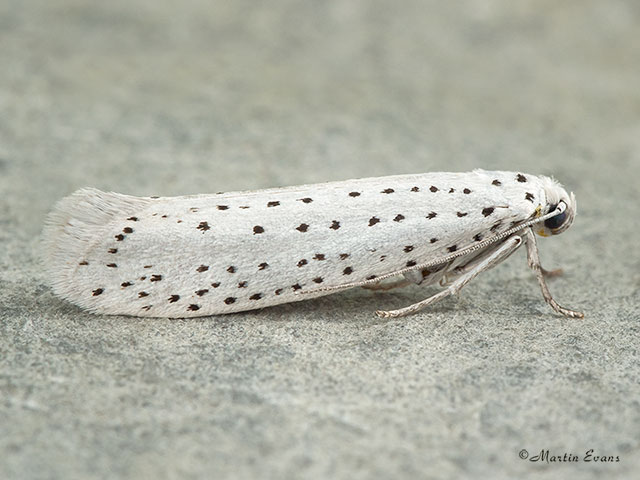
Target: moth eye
point(557, 221)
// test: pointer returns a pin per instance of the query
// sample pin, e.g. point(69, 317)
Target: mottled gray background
point(145, 98)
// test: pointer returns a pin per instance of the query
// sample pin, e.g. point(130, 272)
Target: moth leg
point(506, 249)
point(534, 264)
point(387, 286)
point(412, 277)
point(551, 273)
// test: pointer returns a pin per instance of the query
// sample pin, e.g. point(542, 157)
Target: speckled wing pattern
point(213, 254)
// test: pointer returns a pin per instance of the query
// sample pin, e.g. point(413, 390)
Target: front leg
point(534, 262)
point(551, 273)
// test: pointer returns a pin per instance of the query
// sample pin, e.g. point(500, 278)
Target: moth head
point(560, 201)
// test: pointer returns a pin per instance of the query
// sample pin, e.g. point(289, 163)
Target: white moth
point(212, 254)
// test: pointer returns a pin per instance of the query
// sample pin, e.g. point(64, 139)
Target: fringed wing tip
point(75, 225)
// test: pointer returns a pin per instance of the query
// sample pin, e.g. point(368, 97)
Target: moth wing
point(76, 226)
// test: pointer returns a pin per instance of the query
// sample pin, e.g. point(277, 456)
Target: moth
point(213, 254)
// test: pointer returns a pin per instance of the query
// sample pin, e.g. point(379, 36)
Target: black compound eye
point(557, 221)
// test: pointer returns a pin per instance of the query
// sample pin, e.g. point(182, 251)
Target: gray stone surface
point(142, 98)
